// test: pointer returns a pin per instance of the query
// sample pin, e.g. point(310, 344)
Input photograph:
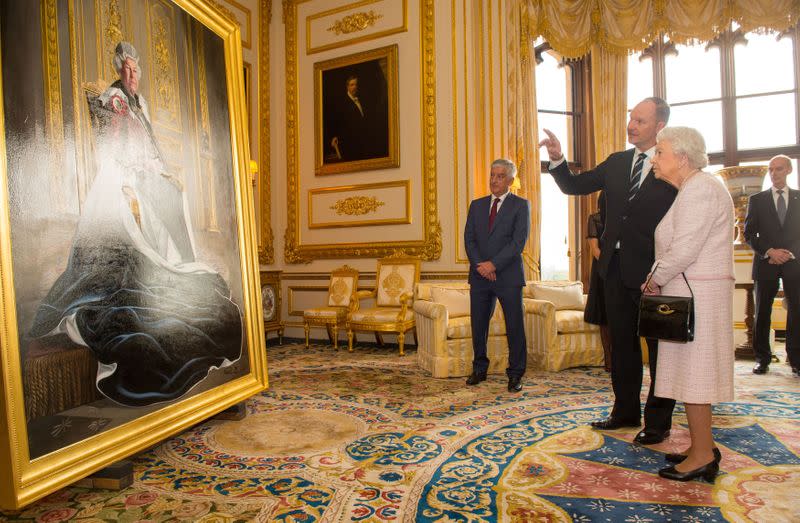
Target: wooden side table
point(271, 302)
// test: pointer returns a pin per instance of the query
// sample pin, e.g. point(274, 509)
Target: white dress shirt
point(502, 198)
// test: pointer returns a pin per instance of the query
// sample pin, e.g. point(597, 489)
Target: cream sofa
point(557, 337)
point(556, 334)
point(444, 332)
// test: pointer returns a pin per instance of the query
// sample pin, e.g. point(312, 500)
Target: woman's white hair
point(688, 141)
point(122, 52)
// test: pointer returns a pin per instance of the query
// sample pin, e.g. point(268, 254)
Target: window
point(740, 91)
point(559, 101)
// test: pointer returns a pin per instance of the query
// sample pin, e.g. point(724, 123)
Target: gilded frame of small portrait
point(109, 144)
point(356, 112)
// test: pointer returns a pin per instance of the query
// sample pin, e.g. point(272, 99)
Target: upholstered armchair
point(444, 330)
point(395, 279)
point(556, 334)
point(341, 300)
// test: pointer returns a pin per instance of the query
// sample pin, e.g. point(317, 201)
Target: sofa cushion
point(456, 301)
point(461, 327)
point(571, 321)
point(563, 294)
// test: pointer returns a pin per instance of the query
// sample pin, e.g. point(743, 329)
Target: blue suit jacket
point(503, 244)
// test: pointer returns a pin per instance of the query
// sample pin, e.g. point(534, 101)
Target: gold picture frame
point(356, 113)
point(201, 68)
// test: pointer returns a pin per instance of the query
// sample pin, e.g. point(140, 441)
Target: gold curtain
point(620, 26)
point(522, 125)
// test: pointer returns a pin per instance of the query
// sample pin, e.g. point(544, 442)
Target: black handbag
point(668, 318)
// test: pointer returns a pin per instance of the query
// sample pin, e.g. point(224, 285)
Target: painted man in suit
point(358, 127)
point(494, 236)
point(635, 203)
point(772, 229)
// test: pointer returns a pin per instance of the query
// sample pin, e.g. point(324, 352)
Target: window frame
point(731, 154)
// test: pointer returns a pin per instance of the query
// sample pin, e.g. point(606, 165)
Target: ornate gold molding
point(266, 249)
point(357, 205)
point(165, 69)
point(355, 22)
point(430, 247)
point(54, 116)
point(110, 19)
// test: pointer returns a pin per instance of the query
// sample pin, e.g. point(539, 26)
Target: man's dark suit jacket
point(763, 231)
point(503, 244)
point(640, 215)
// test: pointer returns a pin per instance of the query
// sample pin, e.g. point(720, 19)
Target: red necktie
point(493, 213)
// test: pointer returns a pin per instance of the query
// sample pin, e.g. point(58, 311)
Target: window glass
point(692, 73)
point(705, 117)
point(766, 121)
point(763, 64)
point(555, 231)
point(554, 93)
point(640, 79)
point(552, 84)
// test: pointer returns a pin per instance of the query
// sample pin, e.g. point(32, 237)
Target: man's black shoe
point(476, 378)
point(646, 437)
point(515, 384)
point(614, 423)
point(761, 368)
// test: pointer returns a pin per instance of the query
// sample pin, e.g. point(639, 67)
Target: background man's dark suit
point(763, 231)
point(632, 224)
point(502, 245)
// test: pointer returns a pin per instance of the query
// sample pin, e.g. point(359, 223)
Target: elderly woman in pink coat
point(695, 238)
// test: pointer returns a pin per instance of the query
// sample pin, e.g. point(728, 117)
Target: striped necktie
point(636, 176)
point(781, 207)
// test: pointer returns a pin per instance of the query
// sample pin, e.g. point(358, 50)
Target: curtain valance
point(623, 26)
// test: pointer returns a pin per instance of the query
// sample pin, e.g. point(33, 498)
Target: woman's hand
point(650, 288)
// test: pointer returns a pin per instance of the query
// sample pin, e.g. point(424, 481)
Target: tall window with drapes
point(740, 90)
point(561, 110)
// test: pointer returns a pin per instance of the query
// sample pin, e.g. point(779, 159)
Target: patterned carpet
point(369, 437)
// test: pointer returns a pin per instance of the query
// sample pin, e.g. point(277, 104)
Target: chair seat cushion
point(569, 321)
point(333, 313)
point(461, 328)
point(380, 315)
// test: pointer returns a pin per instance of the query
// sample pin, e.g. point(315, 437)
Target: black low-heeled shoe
point(677, 458)
point(708, 472)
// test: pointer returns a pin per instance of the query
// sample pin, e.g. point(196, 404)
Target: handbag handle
point(682, 274)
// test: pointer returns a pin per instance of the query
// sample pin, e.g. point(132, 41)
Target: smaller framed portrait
point(356, 112)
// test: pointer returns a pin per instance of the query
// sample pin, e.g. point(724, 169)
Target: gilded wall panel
point(240, 14)
point(163, 66)
point(384, 203)
point(417, 109)
point(113, 25)
point(355, 22)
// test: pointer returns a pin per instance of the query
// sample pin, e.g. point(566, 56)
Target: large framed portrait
point(131, 299)
point(356, 112)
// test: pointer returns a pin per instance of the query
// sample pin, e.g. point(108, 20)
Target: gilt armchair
point(395, 280)
point(340, 301)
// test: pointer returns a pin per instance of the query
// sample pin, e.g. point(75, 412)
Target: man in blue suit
point(494, 236)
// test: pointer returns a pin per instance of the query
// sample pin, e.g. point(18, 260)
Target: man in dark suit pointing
point(635, 203)
point(772, 229)
point(494, 236)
